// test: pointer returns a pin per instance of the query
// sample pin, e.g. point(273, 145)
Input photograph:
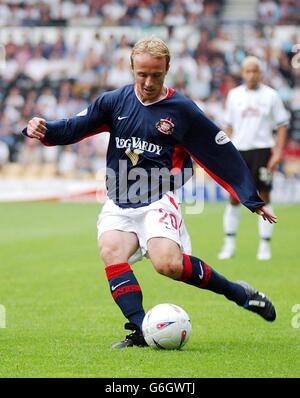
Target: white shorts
point(160, 219)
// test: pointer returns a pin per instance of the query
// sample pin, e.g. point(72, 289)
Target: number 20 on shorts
point(168, 218)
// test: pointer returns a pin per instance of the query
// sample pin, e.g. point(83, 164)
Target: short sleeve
point(279, 113)
point(229, 111)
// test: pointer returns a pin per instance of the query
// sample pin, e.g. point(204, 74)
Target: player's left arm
point(281, 119)
point(93, 120)
point(277, 151)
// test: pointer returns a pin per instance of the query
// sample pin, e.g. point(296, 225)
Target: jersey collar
point(258, 87)
point(169, 93)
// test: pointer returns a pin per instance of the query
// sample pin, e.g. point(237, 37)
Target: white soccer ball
point(166, 326)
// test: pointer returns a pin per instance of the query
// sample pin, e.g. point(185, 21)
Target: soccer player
point(253, 111)
point(153, 128)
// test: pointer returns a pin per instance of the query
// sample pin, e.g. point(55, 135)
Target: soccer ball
point(166, 326)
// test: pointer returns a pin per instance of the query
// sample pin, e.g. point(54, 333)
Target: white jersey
point(253, 115)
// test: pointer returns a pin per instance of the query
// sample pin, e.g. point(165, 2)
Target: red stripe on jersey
point(217, 179)
point(102, 129)
point(187, 268)
point(126, 289)
point(172, 200)
point(44, 142)
point(117, 269)
point(170, 92)
point(178, 157)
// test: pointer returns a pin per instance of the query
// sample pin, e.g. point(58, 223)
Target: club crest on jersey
point(165, 126)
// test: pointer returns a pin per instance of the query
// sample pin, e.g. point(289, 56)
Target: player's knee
point(166, 257)
point(111, 254)
point(168, 267)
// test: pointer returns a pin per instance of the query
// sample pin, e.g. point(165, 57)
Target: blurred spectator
point(13, 104)
point(37, 66)
point(294, 102)
point(6, 136)
point(175, 16)
point(30, 153)
point(84, 162)
point(257, 44)
point(119, 74)
point(215, 108)
point(112, 12)
point(290, 11)
point(46, 105)
point(4, 154)
point(67, 162)
point(278, 11)
point(107, 12)
point(292, 158)
point(200, 86)
point(268, 11)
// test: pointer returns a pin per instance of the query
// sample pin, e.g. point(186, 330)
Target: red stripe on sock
point(207, 275)
point(187, 268)
point(117, 269)
point(125, 290)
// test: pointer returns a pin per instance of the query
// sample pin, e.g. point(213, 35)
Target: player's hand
point(266, 215)
point(36, 128)
point(274, 160)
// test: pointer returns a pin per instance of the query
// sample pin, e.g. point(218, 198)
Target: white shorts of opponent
point(160, 219)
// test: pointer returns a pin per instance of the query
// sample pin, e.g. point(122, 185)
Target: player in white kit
point(253, 112)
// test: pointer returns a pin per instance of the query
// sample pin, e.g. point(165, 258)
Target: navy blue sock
point(126, 292)
point(197, 273)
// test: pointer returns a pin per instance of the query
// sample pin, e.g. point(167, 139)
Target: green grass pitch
point(61, 319)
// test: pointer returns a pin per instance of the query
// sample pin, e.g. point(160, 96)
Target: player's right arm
point(36, 128)
point(281, 118)
point(93, 120)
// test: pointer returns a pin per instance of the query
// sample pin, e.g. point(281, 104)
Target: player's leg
point(116, 247)
point(231, 221)
point(117, 240)
point(168, 260)
point(263, 180)
point(265, 231)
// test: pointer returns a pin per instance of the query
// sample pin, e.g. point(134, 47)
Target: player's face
point(149, 75)
point(252, 75)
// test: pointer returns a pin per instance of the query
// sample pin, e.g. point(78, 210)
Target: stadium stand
point(60, 55)
point(278, 12)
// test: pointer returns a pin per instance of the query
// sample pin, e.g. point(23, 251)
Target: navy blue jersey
point(150, 143)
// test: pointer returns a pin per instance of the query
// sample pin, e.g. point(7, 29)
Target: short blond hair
point(251, 60)
point(154, 46)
